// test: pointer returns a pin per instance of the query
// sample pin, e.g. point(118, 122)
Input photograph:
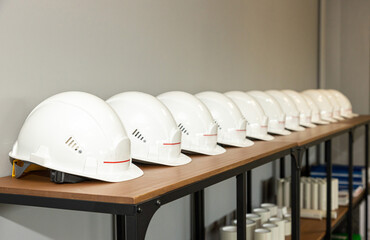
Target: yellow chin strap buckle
point(20, 167)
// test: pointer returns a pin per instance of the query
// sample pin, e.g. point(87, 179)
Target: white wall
point(106, 47)
point(347, 63)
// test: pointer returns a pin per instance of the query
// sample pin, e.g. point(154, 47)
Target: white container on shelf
point(264, 213)
point(281, 224)
point(280, 192)
point(256, 218)
point(307, 194)
point(314, 194)
point(322, 194)
point(287, 192)
point(228, 233)
point(301, 194)
point(274, 228)
point(288, 226)
point(262, 234)
point(251, 225)
point(270, 206)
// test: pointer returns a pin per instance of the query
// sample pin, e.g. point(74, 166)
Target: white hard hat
point(289, 108)
point(155, 137)
point(345, 104)
point(76, 133)
point(273, 111)
point(256, 119)
point(315, 115)
point(304, 109)
point(199, 130)
point(333, 101)
point(326, 109)
point(230, 121)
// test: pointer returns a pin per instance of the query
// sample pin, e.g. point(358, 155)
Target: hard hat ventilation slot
point(218, 125)
point(72, 143)
point(138, 135)
point(183, 129)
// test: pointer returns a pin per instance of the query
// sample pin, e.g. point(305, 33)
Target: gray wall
point(347, 63)
point(106, 47)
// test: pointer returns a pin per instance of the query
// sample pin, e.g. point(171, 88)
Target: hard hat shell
point(289, 108)
point(154, 136)
point(76, 133)
point(230, 121)
point(315, 115)
point(256, 119)
point(304, 109)
point(326, 109)
point(333, 101)
point(199, 130)
point(345, 104)
point(273, 111)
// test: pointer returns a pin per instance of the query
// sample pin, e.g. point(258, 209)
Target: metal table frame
point(328, 161)
point(132, 220)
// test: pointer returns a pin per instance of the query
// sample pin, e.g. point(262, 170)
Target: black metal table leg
point(197, 216)
point(350, 184)
point(120, 223)
point(241, 206)
point(249, 191)
point(282, 167)
point(307, 162)
point(328, 188)
point(296, 163)
point(366, 180)
point(137, 224)
point(318, 154)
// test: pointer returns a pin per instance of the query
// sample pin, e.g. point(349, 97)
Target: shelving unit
point(134, 202)
point(312, 229)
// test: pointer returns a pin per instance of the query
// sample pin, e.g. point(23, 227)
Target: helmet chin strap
point(62, 177)
point(19, 169)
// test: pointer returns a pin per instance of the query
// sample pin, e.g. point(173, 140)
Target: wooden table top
point(156, 180)
point(322, 131)
point(362, 119)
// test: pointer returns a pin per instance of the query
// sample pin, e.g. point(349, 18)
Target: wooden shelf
point(312, 229)
point(159, 180)
point(156, 180)
point(311, 135)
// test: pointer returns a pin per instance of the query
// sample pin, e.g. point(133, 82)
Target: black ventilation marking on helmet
point(138, 135)
point(218, 125)
point(68, 139)
point(183, 129)
point(72, 143)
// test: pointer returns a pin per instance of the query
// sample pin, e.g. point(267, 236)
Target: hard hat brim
point(173, 162)
point(320, 122)
point(338, 118)
point(244, 143)
point(132, 172)
point(280, 132)
point(329, 119)
point(295, 128)
point(265, 137)
point(216, 151)
point(309, 125)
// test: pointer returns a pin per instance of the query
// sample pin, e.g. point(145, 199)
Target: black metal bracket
point(297, 155)
point(296, 166)
point(137, 224)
